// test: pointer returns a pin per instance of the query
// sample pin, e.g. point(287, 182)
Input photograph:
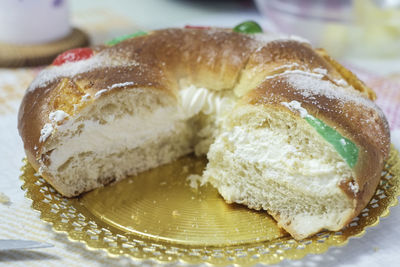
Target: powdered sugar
point(85, 97)
point(116, 85)
point(269, 37)
point(45, 132)
point(58, 116)
point(99, 93)
point(262, 39)
point(320, 71)
point(72, 69)
point(311, 84)
point(287, 66)
point(66, 70)
point(341, 82)
point(55, 118)
point(354, 187)
point(297, 38)
point(119, 85)
point(315, 75)
point(295, 106)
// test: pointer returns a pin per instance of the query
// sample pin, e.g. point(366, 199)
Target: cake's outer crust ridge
point(258, 68)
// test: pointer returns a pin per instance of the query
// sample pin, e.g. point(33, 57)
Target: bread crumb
point(354, 187)
point(45, 132)
point(194, 179)
point(175, 213)
point(58, 116)
point(4, 199)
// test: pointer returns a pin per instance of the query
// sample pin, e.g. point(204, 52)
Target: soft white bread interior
point(269, 159)
point(123, 134)
point(129, 132)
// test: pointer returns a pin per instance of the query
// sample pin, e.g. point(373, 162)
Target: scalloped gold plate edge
point(69, 217)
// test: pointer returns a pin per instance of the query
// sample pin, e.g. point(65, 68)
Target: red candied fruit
point(73, 55)
point(197, 27)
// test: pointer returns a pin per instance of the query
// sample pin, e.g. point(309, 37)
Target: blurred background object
point(34, 32)
point(33, 22)
point(362, 28)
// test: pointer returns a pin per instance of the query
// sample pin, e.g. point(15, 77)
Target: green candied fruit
point(346, 148)
point(124, 37)
point(248, 27)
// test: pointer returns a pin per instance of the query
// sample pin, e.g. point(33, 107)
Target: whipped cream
point(126, 132)
point(195, 100)
point(276, 155)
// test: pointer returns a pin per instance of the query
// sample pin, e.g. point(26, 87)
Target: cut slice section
point(268, 158)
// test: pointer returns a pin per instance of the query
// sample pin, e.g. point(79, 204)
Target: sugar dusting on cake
point(119, 85)
point(45, 132)
point(265, 38)
point(290, 72)
point(341, 82)
point(354, 187)
point(295, 106)
point(109, 88)
point(320, 71)
point(342, 141)
point(71, 69)
point(310, 84)
point(287, 66)
point(58, 116)
point(99, 93)
point(85, 97)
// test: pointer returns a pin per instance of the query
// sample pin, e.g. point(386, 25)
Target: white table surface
point(380, 246)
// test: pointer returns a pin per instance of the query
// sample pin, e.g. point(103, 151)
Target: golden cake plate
point(158, 216)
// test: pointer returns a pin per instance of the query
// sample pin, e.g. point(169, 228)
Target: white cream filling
point(195, 100)
point(127, 132)
point(274, 155)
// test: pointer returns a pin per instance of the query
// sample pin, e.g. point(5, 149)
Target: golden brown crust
point(348, 75)
point(284, 55)
point(158, 60)
point(218, 60)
